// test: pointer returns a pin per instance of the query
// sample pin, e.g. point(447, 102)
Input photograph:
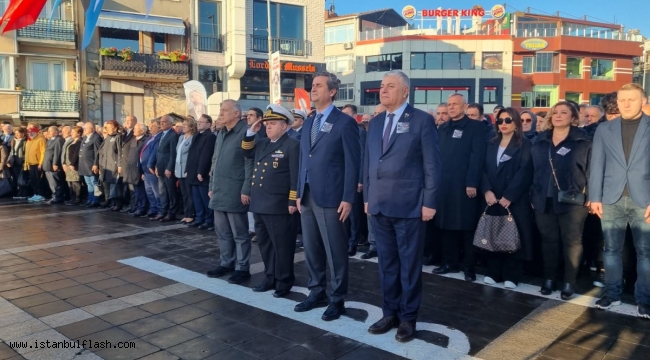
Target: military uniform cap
point(277, 112)
point(299, 113)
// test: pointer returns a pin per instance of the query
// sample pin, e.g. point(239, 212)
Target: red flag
point(21, 13)
point(302, 100)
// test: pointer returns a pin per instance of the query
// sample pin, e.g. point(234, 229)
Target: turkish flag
point(21, 13)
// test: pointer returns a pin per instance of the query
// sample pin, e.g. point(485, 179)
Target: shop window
point(339, 34)
point(602, 69)
point(384, 63)
point(490, 94)
point(527, 65)
point(594, 99)
point(526, 99)
point(211, 79)
point(434, 95)
point(574, 68)
point(345, 92)
point(573, 96)
point(371, 97)
point(119, 106)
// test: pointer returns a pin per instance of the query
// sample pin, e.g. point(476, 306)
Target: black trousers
point(15, 173)
point(451, 244)
point(186, 193)
point(75, 191)
point(357, 217)
point(36, 180)
point(561, 234)
point(593, 241)
point(433, 242)
point(276, 239)
point(503, 267)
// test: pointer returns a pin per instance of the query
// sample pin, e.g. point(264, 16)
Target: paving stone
point(49, 309)
point(169, 337)
point(147, 325)
point(78, 329)
point(34, 300)
point(22, 292)
point(184, 314)
point(125, 316)
point(142, 298)
point(65, 317)
point(16, 330)
point(265, 346)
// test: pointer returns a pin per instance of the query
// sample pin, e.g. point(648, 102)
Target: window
point(209, 16)
point(5, 70)
point(119, 106)
point(339, 34)
point(528, 65)
point(602, 69)
point(158, 43)
point(258, 82)
point(3, 5)
point(594, 99)
point(457, 61)
point(526, 99)
point(544, 62)
point(426, 61)
point(490, 94)
point(46, 75)
point(119, 39)
point(574, 68)
point(384, 62)
point(492, 61)
point(345, 93)
point(573, 96)
point(287, 21)
point(340, 63)
point(211, 79)
point(371, 97)
point(434, 95)
point(59, 12)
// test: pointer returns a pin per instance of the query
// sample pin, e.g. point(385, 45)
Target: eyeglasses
point(526, 121)
point(507, 120)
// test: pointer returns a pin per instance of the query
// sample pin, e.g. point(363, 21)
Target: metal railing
point(209, 43)
point(294, 47)
point(145, 64)
point(49, 100)
point(60, 30)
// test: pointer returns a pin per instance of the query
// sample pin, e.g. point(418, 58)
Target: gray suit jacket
point(65, 147)
point(53, 149)
point(609, 170)
point(181, 161)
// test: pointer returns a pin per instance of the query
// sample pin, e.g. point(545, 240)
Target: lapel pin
point(406, 115)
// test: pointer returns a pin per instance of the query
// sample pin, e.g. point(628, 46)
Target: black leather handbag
point(566, 196)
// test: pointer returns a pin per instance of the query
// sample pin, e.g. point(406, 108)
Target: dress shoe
point(157, 218)
point(93, 205)
point(567, 292)
point(333, 311)
point(444, 269)
point(55, 201)
point(263, 287)
point(211, 228)
point(167, 219)
point(151, 216)
point(384, 325)
point(311, 302)
point(470, 276)
point(205, 226)
point(239, 277)
point(352, 251)
point(405, 331)
point(138, 214)
point(281, 293)
point(369, 255)
point(548, 287)
point(300, 244)
point(116, 209)
point(219, 272)
point(194, 224)
point(127, 210)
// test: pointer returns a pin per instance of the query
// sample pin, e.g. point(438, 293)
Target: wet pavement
point(109, 286)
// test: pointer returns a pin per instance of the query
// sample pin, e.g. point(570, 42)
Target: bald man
point(52, 165)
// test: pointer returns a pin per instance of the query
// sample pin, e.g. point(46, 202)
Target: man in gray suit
point(619, 191)
point(52, 165)
point(163, 166)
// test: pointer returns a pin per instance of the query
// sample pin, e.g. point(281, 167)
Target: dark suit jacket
point(199, 159)
point(274, 189)
point(89, 154)
point(294, 134)
point(52, 156)
point(398, 182)
point(165, 158)
point(149, 152)
point(73, 153)
point(126, 146)
point(332, 164)
point(610, 172)
point(130, 163)
point(363, 134)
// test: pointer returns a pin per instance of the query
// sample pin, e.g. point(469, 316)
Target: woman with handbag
point(506, 181)
point(561, 162)
point(15, 163)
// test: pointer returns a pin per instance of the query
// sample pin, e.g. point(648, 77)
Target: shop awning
point(141, 22)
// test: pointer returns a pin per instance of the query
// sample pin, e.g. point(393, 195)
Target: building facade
point(39, 68)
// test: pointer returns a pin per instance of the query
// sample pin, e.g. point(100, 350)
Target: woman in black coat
point(71, 165)
point(110, 153)
point(561, 162)
point(506, 181)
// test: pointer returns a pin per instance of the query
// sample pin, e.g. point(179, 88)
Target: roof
point(387, 17)
point(570, 20)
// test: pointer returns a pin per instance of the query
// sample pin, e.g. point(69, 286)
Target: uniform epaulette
point(293, 195)
point(247, 145)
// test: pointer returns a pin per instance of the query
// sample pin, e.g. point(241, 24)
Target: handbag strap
point(550, 160)
point(487, 207)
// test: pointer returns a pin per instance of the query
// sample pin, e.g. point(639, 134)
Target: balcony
point(63, 103)
point(209, 43)
point(61, 31)
point(144, 66)
point(295, 47)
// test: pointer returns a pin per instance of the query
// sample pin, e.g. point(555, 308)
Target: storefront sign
point(492, 61)
point(286, 66)
point(409, 12)
point(534, 44)
point(276, 90)
point(498, 11)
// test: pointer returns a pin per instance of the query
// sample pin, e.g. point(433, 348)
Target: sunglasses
point(506, 120)
point(526, 121)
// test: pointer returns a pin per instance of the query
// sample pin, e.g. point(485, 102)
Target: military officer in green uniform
point(273, 196)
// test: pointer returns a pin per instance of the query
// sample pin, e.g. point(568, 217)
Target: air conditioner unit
point(348, 45)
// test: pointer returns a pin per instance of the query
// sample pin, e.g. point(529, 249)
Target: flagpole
point(268, 19)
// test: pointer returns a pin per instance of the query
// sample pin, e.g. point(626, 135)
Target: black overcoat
point(130, 164)
point(89, 154)
point(109, 157)
point(199, 159)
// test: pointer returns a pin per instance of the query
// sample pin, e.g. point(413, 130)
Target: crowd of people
point(411, 184)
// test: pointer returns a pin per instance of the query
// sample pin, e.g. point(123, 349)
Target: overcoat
point(109, 156)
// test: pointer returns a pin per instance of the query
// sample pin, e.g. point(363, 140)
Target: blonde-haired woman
point(182, 150)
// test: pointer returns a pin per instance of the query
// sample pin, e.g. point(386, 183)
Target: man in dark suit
point(619, 191)
point(129, 189)
point(357, 217)
point(89, 162)
point(401, 182)
point(327, 187)
point(199, 161)
point(163, 164)
point(273, 197)
point(148, 152)
point(132, 169)
point(52, 165)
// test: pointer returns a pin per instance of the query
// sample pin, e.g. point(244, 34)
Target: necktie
point(315, 127)
point(387, 132)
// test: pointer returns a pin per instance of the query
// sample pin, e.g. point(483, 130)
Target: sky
point(634, 13)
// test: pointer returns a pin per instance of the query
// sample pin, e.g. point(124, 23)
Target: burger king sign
point(409, 12)
point(498, 11)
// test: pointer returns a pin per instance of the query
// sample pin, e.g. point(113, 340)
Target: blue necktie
point(315, 127)
point(389, 129)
